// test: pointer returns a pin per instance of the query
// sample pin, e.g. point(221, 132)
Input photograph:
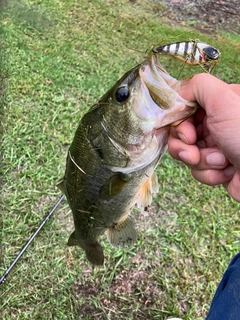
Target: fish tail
point(94, 251)
point(123, 234)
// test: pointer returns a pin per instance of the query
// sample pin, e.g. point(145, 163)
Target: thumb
point(212, 94)
point(235, 88)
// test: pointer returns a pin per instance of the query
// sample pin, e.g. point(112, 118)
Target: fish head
point(141, 102)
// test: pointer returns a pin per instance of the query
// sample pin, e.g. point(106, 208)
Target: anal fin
point(123, 234)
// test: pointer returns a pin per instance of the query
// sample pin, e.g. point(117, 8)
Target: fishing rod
point(3, 278)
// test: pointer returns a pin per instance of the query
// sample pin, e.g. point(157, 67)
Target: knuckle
point(209, 177)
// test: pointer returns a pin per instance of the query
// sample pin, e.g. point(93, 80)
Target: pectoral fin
point(114, 185)
point(123, 234)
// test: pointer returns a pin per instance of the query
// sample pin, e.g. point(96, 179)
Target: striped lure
point(192, 52)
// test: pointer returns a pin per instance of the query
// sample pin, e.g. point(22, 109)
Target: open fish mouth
point(160, 101)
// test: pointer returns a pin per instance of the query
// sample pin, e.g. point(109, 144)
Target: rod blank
point(3, 278)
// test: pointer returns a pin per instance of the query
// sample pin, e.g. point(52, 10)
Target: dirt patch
point(117, 304)
point(207, 16)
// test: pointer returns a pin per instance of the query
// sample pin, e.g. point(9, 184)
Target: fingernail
point(216, 159)
point(185, 157)
point(183, 138)
point(229, 171)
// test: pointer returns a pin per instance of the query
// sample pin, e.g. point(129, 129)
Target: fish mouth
point(162, 102)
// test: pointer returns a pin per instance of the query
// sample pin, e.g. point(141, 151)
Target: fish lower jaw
point(180, 114)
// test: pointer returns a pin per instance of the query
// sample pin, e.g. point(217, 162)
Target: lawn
point(60, 57)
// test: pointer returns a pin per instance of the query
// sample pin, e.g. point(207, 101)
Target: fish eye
point(122, 94)
point(211, 53)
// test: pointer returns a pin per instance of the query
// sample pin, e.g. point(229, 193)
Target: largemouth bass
point(111, 161)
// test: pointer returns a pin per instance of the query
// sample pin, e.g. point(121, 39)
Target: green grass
point(61, 57)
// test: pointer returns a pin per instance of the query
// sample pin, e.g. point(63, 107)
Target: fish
point(111, 162)
point(192, 52)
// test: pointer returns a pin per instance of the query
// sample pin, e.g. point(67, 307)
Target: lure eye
point(122, 94)
point(211, 53)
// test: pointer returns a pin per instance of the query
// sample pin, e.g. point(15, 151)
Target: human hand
point(209, 141)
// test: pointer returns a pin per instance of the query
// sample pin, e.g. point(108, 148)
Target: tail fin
point(94, 251)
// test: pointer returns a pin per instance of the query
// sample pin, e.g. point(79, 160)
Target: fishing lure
point(192, 52)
